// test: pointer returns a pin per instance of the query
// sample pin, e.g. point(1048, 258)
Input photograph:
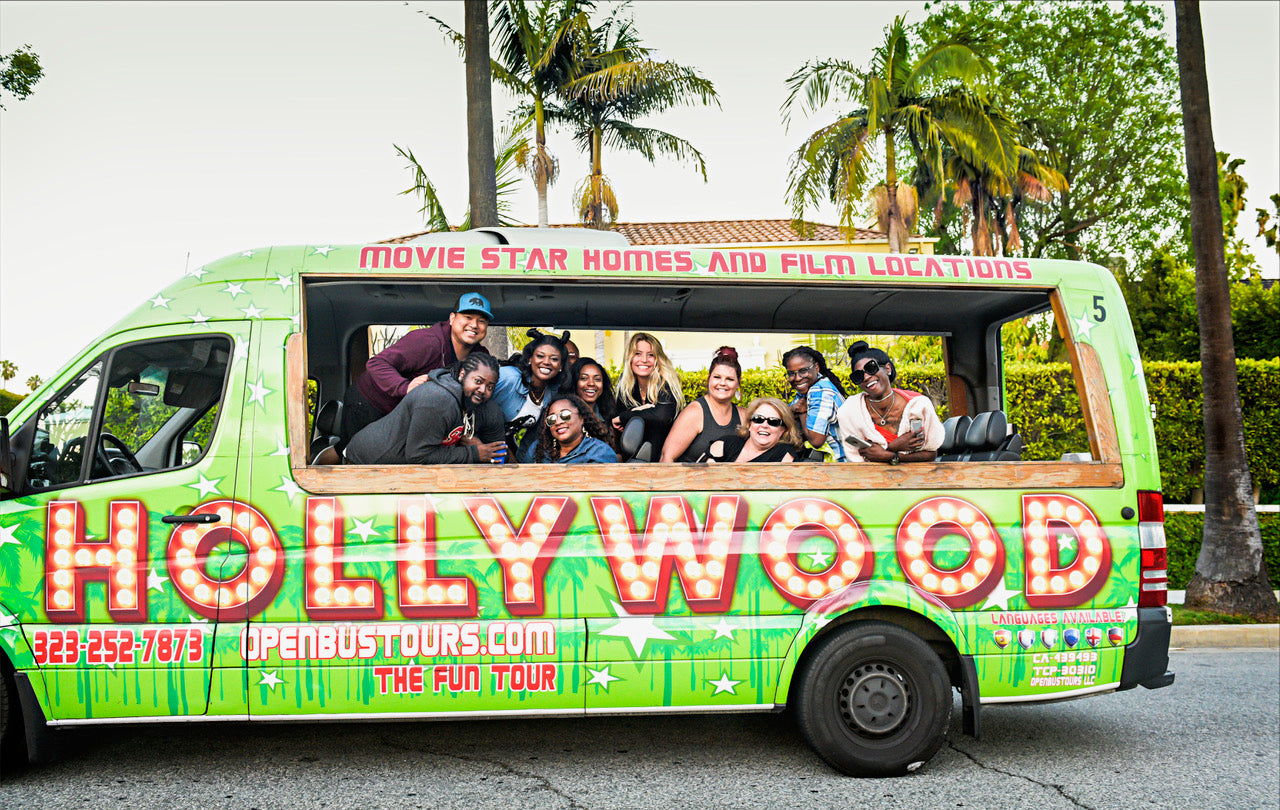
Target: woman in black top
point(769, 433)
point(649, 389)
point(710, 417)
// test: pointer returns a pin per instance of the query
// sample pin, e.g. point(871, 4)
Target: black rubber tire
point(873, 700)
point(13, 748)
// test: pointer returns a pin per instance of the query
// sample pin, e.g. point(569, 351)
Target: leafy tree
point(505, 180)
point(34, 382)
point(1264, 217)
point(617, 80)
point(901, 99)
point(8, 370)
point(1231, 575)
point(19, 71)
point(1092, 86)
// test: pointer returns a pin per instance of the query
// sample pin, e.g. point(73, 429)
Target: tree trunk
point(597, 182)
point(897, 239)
point(541, 162)
point(1230, 576)
point(480, 161)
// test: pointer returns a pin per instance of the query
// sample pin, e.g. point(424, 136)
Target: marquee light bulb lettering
point(248, 591)
point(525, 554)
point(930, 521)
point(1046, 518)
point(705, 557)
point(330, 594)
point(118, 561)
point(422, 594)
point(795, 521)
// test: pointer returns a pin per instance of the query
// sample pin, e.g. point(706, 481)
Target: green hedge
point(1184, 530)
point(1044, 405)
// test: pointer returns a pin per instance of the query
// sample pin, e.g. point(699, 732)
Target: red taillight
point(1153, 579)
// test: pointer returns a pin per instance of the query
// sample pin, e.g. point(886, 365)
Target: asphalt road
point(1210, 740)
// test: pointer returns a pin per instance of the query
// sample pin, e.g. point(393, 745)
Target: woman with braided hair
point(819, 396)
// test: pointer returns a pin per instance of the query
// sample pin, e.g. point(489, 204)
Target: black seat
point(953, 437)
point(327, 427)
point(634, 447)
point(989, 439)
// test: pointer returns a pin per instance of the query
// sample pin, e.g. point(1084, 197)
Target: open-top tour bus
point(168, 550)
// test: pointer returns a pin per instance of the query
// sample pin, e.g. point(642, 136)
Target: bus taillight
point(1153, 589)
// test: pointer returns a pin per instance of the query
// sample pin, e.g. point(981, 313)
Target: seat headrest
point(987, 431)
point(953, 432)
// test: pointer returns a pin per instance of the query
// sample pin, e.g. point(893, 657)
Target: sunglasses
point(771, 421)
point(554, 419)
point(871, 369)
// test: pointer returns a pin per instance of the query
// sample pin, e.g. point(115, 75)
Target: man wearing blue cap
point(404, 365)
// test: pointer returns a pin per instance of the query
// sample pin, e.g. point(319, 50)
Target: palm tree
point(505, 179)
point(1231, 575)
point(615, 81)
point(535, 53)
point(925, 101)
point(480, 158)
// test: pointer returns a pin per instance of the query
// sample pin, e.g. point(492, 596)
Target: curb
point(1225, 635)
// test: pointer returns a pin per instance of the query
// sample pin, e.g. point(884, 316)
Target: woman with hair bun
point(819, 396)
point(710, 417)
point(527, 386)
point(890, 425)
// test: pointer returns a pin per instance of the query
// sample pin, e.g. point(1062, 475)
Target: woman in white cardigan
point(882, 423)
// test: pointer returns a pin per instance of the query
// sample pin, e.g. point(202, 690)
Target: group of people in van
point(436, 396)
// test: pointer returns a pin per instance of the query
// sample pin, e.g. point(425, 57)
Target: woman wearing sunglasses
point(886, 424)
point(571, 433)
point(769, 433)
point(819, 396)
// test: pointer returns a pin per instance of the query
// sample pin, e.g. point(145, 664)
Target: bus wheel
point(12, 746)
point(874, 700)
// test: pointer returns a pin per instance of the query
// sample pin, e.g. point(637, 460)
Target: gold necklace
point(883, 415)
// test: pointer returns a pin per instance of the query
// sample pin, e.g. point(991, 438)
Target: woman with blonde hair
point(769, 433)
point(649, 390)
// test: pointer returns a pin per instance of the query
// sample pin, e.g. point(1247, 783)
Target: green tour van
point(170, 550)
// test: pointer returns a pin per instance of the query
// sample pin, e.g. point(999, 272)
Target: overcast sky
point(171, 133)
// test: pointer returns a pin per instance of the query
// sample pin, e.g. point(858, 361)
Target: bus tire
point(874, 700)
point(12, 741)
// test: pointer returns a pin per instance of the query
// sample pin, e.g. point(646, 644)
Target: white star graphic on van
point(638, 630)
point(252, 311)
point(601, 677)
point(197, 273)
point(722, 630)
point(270, 680)
point(1084, 325)
point(284, 282)
point(248, 254)
point(9, 621)
point(155, 582)
point(289, 487)
point(323, 251)
point(199, 319)
point(233, 289)
point(258, 392)
point(364, 529)
point(241, 351)
point(8, 534)
point(999, 597)
point(282, 449)
point(206, 486)
point(818, 559)
point(200, 620)
point(724, 685)
point(1066, 542)
point(160, 301)
point(822, 621)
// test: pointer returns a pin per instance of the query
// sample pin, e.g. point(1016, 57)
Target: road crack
point(1057, 788)
point(497, 763)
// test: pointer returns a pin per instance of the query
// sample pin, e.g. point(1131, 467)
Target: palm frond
point(432, 210)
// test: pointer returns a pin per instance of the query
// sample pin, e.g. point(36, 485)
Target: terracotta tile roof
point(715, 232)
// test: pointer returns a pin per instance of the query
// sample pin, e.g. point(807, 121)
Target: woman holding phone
point(882, 423)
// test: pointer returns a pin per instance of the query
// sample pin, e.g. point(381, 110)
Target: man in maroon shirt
point(403, 366)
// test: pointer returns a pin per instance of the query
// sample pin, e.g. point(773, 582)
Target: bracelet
point(897, 458)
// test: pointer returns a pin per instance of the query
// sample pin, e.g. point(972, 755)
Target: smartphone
point(916, 423)
point(856, 441)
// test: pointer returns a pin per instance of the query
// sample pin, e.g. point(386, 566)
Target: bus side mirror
point(6, 458)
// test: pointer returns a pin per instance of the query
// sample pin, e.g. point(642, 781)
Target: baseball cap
point(474, 302)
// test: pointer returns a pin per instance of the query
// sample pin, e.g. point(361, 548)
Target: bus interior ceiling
point(336, 310)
